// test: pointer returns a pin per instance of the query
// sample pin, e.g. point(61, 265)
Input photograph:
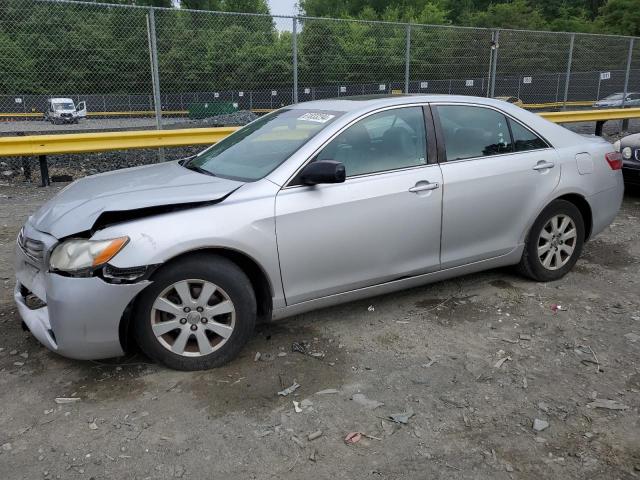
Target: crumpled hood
point(76, 208)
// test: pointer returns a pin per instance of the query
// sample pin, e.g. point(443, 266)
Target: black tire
point(215, 269)
point(530, 264)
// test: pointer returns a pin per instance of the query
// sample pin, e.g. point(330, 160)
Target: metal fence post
point(625, 122)
point(294, 41)
point(494, 64)
point(566, 81)
point(155, 75)
point(407, 59)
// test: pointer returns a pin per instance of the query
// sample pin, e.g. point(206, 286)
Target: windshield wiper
point(198, 169)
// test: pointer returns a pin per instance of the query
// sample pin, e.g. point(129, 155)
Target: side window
point(383, 141)
point(524, 139)
point(473, 132)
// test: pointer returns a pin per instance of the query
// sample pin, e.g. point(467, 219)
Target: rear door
point(81, 108)
point(496, 174)
point(381, 224)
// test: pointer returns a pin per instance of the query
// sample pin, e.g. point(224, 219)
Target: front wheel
point(197, 314)
point(554, 242)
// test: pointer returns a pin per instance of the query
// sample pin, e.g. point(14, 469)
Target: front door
point(497, 174)
point(381, 224)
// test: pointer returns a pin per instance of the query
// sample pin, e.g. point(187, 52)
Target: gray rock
point(362, 400)
point(540, 425)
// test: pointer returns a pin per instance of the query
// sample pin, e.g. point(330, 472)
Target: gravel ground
point(90, 124)
point(477, 360)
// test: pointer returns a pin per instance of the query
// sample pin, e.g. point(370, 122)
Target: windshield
point(255, 150)
point(615, 96)
point(63, 106)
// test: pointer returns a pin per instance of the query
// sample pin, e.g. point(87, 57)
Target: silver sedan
point(309, 206)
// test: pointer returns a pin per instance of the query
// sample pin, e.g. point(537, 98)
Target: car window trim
point(430, 161)
point(442, 154)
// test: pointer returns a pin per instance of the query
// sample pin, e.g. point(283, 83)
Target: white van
point(63, 110)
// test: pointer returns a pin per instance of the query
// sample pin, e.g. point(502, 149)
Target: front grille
point(34, 249)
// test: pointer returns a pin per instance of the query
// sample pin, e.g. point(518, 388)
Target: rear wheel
point(554, 242)
point(197, 314)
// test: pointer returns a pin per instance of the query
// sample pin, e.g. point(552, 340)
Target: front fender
point(244, 223)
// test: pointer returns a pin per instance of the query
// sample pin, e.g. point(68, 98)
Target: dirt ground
point(476, 360)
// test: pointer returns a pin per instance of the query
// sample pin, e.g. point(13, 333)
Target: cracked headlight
point(80, 254)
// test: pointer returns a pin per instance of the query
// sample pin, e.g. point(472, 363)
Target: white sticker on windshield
point(316, 117)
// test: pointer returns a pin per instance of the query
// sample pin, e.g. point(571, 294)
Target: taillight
point(614, 159)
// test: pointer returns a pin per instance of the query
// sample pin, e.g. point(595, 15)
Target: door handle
point(423, 187)
point(544, 165)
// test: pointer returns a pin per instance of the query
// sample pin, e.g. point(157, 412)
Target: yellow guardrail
point(104, 141)
point(601, 115)
point(35, 145)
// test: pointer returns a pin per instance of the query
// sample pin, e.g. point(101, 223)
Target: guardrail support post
point(44, 171)
point(407, 60)
point(155, 75)
point(566, 81)
point(294, 41)
point(625, 122)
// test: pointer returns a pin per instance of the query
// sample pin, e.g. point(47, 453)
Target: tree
point(517, 14)
point(620, 17)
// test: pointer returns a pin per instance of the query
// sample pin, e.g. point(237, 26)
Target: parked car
point(312, 205)
point(515, 100)
point(615, 101)
point(629, 146)
point(64, 110)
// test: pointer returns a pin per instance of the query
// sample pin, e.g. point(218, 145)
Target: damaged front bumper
point(75, 317)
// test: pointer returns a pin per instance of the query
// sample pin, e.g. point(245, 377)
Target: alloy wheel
point(193, 318)
point(557, 242)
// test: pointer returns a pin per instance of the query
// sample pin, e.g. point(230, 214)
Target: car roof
point(60, 99)
point(371, 102)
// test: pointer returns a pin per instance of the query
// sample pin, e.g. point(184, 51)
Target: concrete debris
point(499, 363)
point(7, 446)
point(401, 417)
point(296, 407)
point(328, 391)
point(289, 390)
point(362, 400)
point(313, 456)
point(257, 356)
point(607, 404)
point(315, 435)
point(64, 400)
point(540, 425)
point(525, 337)
point(93, 426)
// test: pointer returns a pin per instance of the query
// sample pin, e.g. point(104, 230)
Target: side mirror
point(323, 171)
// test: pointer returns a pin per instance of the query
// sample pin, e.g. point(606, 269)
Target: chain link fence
point(159, 63)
